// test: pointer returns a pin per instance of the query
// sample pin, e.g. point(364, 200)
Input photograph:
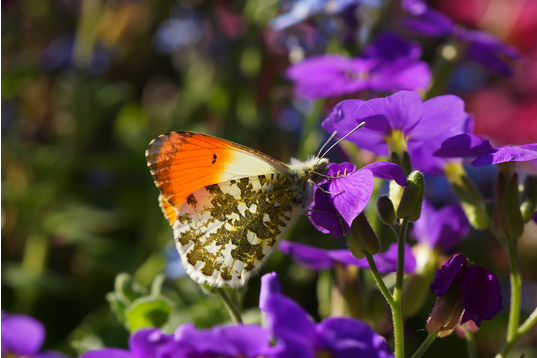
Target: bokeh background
point(87, 84)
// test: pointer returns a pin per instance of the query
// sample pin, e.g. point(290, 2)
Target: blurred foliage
point(85, 86)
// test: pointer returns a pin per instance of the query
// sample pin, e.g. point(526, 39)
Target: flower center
point(397, 142)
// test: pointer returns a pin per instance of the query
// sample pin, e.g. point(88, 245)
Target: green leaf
point(149, 311)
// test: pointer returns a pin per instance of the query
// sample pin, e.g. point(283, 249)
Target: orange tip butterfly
point(228, 204)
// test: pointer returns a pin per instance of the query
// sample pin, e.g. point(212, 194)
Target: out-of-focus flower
point(248, 341)
point(23, 336)
point(474, 291)
point(59, 55)
point(174, 267)
point(340, 199)
point(482, 46)
point(402, 122)
point(389, 63)
point(183, 29)
point(469, 145)
point(443, 228)
point(297, 336)
point(320, 259)
point(302, 9)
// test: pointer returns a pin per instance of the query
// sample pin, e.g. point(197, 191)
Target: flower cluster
point(286, 323)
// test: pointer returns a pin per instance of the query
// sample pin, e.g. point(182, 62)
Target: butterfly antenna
point(339, 140)
point(326, 142)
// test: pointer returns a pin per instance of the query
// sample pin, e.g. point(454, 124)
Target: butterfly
point(228, 204)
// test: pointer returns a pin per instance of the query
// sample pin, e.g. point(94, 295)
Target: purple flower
point(443, 228)
point(482, 46)
point(320, 259)
point(297, 336)
point(389, 63)
point(403, 120)
point(476, 286)
point(23, 335)
point(248, 341)
point(339, 200)
point(469, 145)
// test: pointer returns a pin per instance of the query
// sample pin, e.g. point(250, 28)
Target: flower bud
point(506, 216)
point(386, 210)
point(446, 312)
point(410, 206)
point(362, 238)
point(529, 198)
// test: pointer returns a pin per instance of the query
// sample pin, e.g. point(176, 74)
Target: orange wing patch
point(182, 163)
point(169, 212)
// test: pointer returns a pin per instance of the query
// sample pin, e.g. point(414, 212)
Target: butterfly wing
point(225, 232)
point(183, 162)
point(228, 204)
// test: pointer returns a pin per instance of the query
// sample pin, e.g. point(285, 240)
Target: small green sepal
point(410, 206)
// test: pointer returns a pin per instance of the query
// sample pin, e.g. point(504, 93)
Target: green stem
point(470, 343)
point(232, 309)
point(516, 290)
point(397, 311)
point(522, 330)
point(425, 345)
point(378, 279)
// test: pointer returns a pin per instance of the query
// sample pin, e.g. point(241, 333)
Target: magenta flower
point(321, 259)
point(297, 336)
point(443, 228)
point(469, 145)
point(339, 200)
point(482, 46)
point(476, 286)
point(248, 341)
point(390, 63)
point(23, 336)
point(423, 125)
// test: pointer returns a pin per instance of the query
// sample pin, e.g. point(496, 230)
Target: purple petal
point(351, 194)
point(301, 10)
point(402, 110)
point(306, 255)
point(481, 295)
point(328, 75)
point(109, 353)
point(489, 51)
point(291, 327)
point(22, 335)
point(345, 257)
point(506, 154)
point(390, 46)
point(270, 284)
point(450, 271)
point(443, 117)
point(426, 21)
point(347, 337)
point(387, 171)
point(154, 343)
point(343, 120)
point(443, 228)
point(463, 145)
point(401, 74)
point(324, 216)
point(248, 340)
